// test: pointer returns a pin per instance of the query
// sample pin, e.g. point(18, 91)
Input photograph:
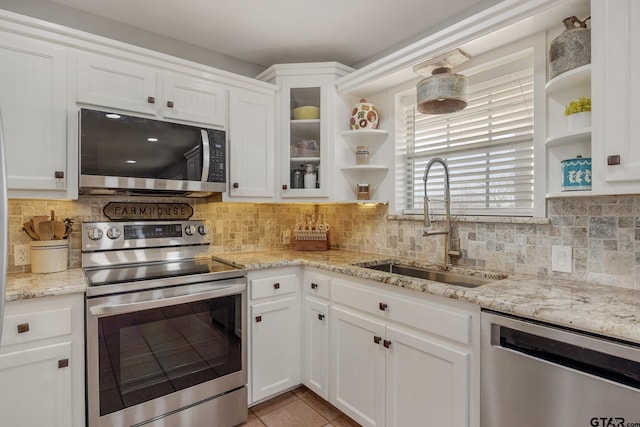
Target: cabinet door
point(305, 146)
point(251, 144)
point(33, 104)
point(275, 347)
point(108, 82)
point(195, 100)
point(616, 89)
point(357, 372)
point(316, 346)
point(34, 390)
point(427, 382)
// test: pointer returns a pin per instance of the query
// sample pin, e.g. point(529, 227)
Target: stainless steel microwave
point(134, 155)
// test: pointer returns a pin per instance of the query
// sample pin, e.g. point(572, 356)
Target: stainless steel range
point(165, 327)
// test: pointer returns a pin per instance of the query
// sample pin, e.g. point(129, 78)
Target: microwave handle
point(206, 155)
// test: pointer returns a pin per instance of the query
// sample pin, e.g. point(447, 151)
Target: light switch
point(561, 258)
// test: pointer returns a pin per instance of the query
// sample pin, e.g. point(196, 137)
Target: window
point(488, 145)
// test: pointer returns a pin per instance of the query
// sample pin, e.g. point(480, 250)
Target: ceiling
point(285, 31)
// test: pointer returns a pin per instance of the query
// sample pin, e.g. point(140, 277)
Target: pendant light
point(443, 91)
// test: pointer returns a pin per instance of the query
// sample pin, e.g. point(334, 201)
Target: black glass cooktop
point(99, 276)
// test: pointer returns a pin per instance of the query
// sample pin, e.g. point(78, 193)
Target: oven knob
point(94, 233)
point(190, 230)
point(113, 233)
point(203, 230)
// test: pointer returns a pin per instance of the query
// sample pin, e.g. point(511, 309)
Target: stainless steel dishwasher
point(535, 374)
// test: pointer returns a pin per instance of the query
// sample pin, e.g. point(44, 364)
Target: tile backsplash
point(604, 233)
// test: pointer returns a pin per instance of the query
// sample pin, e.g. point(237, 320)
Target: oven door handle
point(121, 308)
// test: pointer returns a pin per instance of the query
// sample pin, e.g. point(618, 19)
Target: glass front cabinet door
point(305, 127)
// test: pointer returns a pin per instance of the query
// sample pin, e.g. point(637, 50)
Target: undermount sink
point(450, 278)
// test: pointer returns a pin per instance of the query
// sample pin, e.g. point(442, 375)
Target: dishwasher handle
point(600, 364)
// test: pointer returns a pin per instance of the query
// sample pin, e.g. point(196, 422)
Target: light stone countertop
point(31, 285)
point(604, 310)
point(599, 309)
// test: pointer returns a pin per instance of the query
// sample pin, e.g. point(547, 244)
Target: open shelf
point(373, 138)
point(569, 79)
point(569, 137)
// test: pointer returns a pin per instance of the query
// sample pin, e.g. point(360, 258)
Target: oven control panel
point(142, 234)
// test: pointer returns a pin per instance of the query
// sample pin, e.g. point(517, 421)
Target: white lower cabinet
point(384, 356)
point(402, 361)
point(42, 363)
point(315, 323)
point(357, 383)
point(275, 333)
point(426, 381)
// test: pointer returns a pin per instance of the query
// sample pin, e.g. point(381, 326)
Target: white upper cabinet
point(307, 106)
point(196, 100)
point(41, 160)
point(251, 145)
point(108, 82)
point(105, 81)
point(616, 89)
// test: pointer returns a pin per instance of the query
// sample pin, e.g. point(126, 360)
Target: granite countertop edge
point(600, 309)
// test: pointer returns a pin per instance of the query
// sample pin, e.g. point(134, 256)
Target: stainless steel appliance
point(534, 374)
point(165, 327)
point(121, 153)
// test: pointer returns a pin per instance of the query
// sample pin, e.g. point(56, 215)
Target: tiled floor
point(297, 408)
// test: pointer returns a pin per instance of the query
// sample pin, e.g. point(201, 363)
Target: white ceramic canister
point(49, 256)
point(364, 115)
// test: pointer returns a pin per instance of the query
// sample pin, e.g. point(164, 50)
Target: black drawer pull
point(23, 327)
point(377, 339)
point(314, 286)
point(386, 344)
point(258, 319)
point(63, 363)
point(320, 316)
point(382, 306)
point(276, 286)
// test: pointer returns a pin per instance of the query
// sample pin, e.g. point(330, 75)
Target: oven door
point(157, 353)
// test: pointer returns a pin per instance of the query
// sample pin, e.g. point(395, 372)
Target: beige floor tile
point(255, 422)
point(344, 421)
point(294, 414)
point(265, 407)
point(320, 405)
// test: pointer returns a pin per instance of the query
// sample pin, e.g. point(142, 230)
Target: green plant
point(578, 106)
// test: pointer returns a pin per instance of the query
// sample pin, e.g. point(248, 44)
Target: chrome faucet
point(448, 253)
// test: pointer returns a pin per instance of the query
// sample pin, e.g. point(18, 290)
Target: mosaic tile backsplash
point(604, 233)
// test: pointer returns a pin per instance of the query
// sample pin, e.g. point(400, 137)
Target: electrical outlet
point(561, 259)
point(22, 254)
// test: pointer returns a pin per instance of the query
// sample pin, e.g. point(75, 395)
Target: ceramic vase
point(364, 115)
point(578, 121)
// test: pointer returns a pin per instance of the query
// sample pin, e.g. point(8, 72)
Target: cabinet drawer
point(274, 286)
point(316, 284)
point(27, 327)
point(445, 322)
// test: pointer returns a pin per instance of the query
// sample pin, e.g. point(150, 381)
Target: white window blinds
point(488, 146)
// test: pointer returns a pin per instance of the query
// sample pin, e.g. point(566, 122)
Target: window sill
point(476, 219)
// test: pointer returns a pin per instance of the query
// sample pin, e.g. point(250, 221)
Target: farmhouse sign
point(147, 211)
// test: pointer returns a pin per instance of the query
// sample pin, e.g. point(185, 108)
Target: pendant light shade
point(443, 92)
